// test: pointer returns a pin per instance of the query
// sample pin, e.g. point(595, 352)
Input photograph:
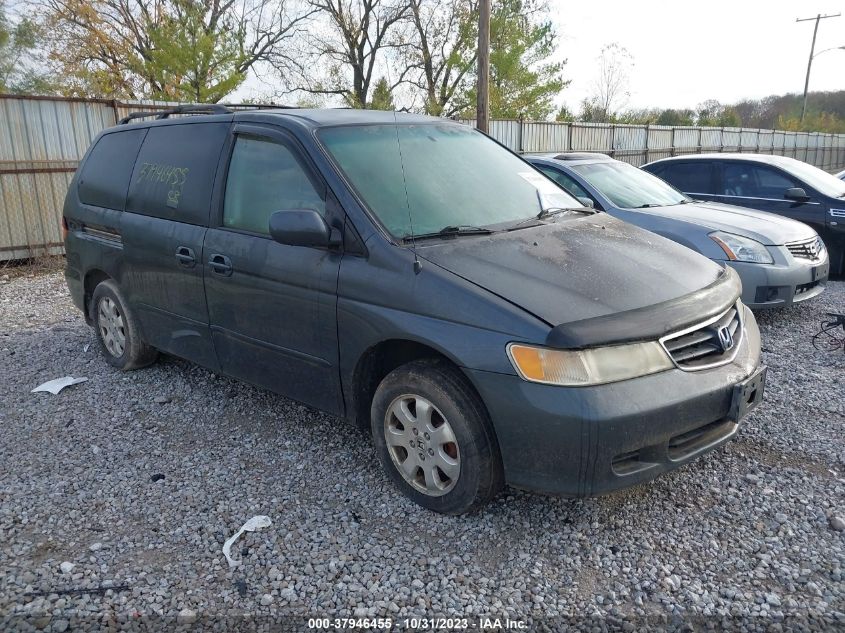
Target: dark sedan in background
point(776, 184)
point(780, 261)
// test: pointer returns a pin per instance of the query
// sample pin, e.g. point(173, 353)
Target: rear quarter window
point(174, 174)
point(105, 174)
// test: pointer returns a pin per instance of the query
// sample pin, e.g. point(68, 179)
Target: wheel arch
point(378, 360)
point(93, 278)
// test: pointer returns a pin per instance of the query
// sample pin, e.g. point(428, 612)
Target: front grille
point(709, 344)
point(686, 444)
point(807, 249)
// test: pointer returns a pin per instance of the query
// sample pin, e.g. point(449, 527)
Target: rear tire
point(434, 438)
point(117, 329)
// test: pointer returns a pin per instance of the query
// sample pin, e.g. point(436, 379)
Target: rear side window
point(174, 174)
point(692, 177)
point(105, 175)
point(265, 177)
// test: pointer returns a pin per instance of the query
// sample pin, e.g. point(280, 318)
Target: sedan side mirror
point(302, 227)
point(587, 202)
point(797, 194)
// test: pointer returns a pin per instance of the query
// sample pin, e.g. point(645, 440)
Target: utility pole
point(817, 19)
point(482, 115)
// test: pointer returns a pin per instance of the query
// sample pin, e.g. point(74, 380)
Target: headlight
point(742, 249)
point(580, 368)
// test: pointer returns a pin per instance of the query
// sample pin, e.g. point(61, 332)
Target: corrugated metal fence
point(41, 142)
point(43, 138)
point(641, 144)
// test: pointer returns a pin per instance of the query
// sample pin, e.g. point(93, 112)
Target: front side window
point(265, 177)
point(430, 176)
point(748, 180)
point(628, 187)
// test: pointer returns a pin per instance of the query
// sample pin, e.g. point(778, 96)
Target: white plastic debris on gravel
point(748, 536)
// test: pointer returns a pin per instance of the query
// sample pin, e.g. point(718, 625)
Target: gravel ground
point(744, 538)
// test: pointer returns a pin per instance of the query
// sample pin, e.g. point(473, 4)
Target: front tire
point(434, 438)
point(117, 329)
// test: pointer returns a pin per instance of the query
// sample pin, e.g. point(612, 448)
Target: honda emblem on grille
point(726, 339)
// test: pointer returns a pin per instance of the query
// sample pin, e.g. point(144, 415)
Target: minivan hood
point(766, 228)
point(577, 269)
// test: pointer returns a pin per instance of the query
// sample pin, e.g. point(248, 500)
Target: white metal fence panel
point(42, 140)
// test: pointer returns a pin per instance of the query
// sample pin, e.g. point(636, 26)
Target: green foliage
point(523, 82)
point(17, 45)
point(564, 115)
point(827, 122)
point(193, 59)
point(675, 117)
point(711, 113)
point(382, 98)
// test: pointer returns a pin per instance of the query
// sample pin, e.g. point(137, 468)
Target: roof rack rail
point(260, 106)
point(210, 108)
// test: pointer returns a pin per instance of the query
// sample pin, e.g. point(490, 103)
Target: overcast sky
point(685, 52)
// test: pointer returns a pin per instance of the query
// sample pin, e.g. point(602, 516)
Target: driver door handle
point(220, 264)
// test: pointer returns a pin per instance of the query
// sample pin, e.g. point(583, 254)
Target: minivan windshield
point(453, 176)
point(819, 180)
point(628, 187)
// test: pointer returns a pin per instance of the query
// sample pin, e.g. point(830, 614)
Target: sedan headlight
point(580, 368)
point(742, 249)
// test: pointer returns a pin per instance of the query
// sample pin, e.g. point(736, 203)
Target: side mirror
point(797, 194)
point(302, 227)
point(587, 202)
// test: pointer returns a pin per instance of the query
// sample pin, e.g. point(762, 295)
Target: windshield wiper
point(448, 231)
point(550, 211)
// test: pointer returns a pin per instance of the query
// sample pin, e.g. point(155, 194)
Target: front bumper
point(588, 441)
point(783, 283)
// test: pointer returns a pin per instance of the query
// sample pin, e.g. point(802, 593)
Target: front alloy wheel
point(422, 445)
point(434, 438)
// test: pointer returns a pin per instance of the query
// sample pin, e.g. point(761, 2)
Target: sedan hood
point(580, 269)
point(766, 228)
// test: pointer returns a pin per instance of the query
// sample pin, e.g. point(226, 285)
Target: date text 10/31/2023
point(417, 623)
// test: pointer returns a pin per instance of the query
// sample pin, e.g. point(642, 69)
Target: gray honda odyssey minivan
point(410, 274)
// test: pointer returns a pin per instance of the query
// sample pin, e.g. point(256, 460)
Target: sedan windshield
point(819, 180)
point(437, 178)
point(628, 187)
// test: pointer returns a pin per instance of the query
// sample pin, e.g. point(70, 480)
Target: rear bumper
point(591, 440)
point(778, 285)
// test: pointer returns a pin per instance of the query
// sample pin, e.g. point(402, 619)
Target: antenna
point(417, 263)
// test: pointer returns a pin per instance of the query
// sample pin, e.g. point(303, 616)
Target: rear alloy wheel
point(434, 438)
point(117, 329)
point(112, 328)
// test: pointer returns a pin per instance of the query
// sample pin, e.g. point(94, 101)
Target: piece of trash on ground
point(255, 523)
point(87, 347)
point(56, 385)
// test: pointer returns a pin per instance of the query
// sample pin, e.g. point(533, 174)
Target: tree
point(121, 48)
point(675, 117)
point(354, 35)
point(523, 82)
point(382, 96)
point(611, 87)
point(193, 59)
point(564, 115)
point(713, 113)
point(442, 53)
point(17, 46)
